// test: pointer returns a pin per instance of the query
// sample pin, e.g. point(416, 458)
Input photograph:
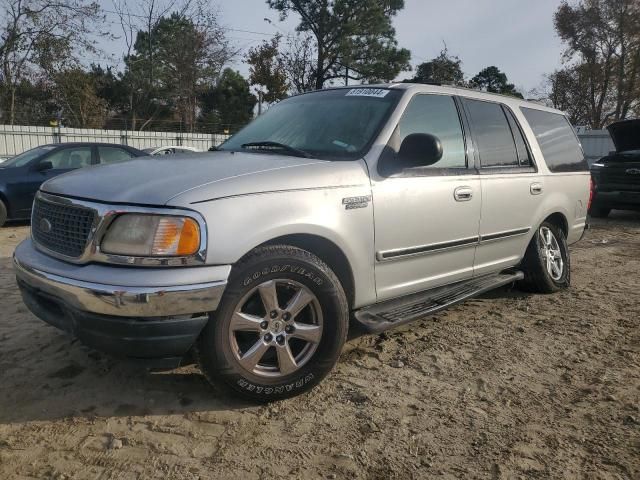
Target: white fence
point(15, 139)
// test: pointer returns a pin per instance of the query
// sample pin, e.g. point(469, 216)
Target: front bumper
point(158, 321)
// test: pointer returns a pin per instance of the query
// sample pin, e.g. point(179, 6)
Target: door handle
point(535, 188)
point(463, 194)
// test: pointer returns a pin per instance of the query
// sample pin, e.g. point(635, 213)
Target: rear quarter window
point(557, 140)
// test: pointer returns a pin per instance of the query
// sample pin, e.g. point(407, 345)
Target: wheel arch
point(328, 252)
point(5, 201)
point(559, 220)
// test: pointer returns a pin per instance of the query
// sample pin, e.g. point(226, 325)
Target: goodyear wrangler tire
point(546, 264)
point(279, 328)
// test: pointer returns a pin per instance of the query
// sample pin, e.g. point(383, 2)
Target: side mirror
point(420, 150)
point(44, 165)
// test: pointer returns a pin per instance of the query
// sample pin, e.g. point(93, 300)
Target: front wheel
point(280, 327)
point(546, 264)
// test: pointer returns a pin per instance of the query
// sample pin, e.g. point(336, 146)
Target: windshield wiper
point(270, 145)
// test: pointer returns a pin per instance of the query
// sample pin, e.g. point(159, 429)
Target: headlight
point(152, 236)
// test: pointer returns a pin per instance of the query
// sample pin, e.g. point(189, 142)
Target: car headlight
point(152, 236)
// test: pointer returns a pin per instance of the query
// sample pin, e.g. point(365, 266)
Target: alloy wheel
point(551, 254)
point(276, 328)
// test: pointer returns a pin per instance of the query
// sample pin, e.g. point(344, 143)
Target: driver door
point(426, 217)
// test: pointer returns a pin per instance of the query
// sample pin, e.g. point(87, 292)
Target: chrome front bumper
point(132, 312)
point(124, 301)
point(161, 297)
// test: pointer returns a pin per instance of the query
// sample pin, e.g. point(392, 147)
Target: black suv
point(22, 175)
point(616, 177)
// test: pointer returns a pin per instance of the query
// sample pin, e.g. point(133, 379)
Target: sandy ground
point(507, 386)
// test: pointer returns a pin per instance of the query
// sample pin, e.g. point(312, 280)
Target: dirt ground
point(510, 385)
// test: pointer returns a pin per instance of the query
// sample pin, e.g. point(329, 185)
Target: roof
point(451, 90)
point(83, 144)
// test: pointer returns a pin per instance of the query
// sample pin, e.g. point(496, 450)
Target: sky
point(517, 36)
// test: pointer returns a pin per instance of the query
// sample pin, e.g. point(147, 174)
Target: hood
point(183, 179)
point(625, 135)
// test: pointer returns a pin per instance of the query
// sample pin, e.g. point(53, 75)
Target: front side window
point(113, 155)
point(557, 140)
point(492, 134)
point(330, 124)
point(436, 115)
point(70, 158)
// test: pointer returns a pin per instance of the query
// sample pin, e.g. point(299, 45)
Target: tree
point(354, 39)
point(41, 34)
point(75, 92)
point(491, 79)
point(603, 45)
point(563, 89)
point(173, 62)
point(230, 102)
point(298, 61)
point(445, 68)
point(267, 71)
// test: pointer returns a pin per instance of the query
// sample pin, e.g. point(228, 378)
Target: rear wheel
point(280, 326)
point(3, 213)
point(546, 264)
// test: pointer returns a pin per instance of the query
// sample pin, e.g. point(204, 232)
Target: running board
point(392, 313)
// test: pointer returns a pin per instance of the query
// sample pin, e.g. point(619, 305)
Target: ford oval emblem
point(45, 225)
point(633, 171)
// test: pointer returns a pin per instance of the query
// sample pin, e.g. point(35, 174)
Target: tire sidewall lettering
point(303, 272)
point(280, 389)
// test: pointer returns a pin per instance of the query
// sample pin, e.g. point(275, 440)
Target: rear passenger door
point(512, 188)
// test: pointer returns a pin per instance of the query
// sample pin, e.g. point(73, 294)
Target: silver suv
point(373, 206)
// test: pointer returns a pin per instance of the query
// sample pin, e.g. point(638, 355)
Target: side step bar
point(392, 313)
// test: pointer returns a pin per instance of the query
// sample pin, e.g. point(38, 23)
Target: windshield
point(26, 157)
point(331, 124)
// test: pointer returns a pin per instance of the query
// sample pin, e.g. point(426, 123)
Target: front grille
point(63, 229)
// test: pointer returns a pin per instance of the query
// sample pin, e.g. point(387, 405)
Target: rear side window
point(113, 155)
point(492, 134)
point(557, 141)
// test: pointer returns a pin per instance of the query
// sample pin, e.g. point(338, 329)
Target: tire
point(3, 213)
point(249, 320)
point(599, 212)
point(539, 275)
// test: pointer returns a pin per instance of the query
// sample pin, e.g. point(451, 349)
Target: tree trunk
point(13, 105)
point(320, 68)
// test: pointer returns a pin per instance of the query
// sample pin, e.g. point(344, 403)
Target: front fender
point(236, 225)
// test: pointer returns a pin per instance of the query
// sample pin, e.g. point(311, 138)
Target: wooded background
point(176, 76)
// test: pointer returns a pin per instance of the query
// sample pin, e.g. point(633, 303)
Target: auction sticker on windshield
point(367, 92)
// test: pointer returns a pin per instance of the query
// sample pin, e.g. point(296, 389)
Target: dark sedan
point(22, 175)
